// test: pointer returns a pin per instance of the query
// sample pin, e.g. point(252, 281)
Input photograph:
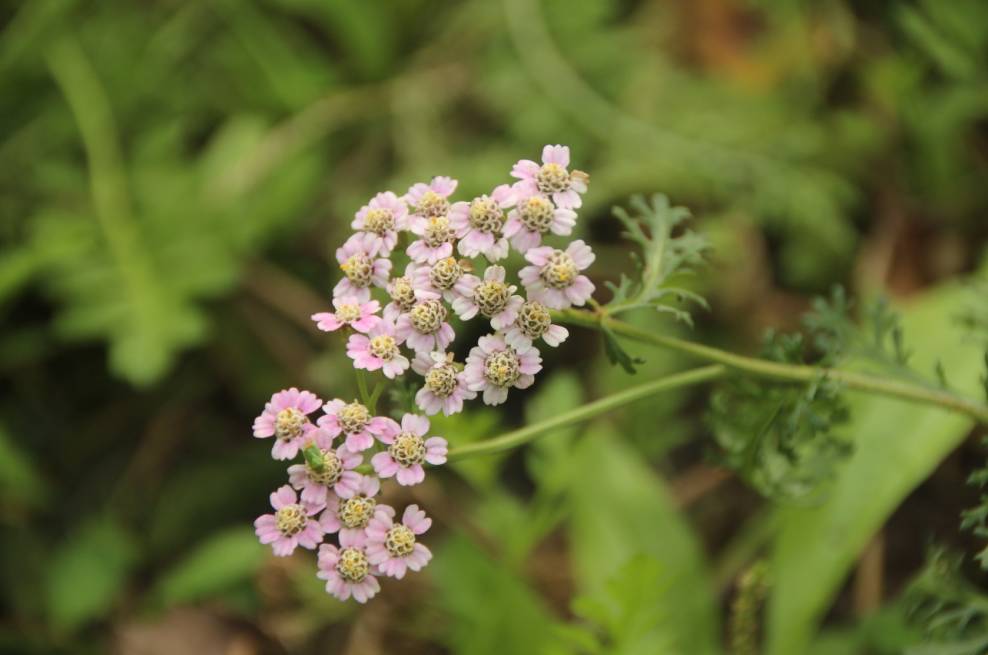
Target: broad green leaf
point(621, 510)
point(897, 445)
point(223, 560)
point(88, 573)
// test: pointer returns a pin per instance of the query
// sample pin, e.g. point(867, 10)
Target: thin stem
point(779, 371)
point(365, 396)
point(375, 395)
point(530, 432)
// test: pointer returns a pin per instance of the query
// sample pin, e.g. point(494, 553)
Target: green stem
point(375, 395)
point(529, 432)
point(365, 396)
point(778, 371)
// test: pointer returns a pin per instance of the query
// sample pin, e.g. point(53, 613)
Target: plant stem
point(365, 396)
point(778, 371)
point(530, 432)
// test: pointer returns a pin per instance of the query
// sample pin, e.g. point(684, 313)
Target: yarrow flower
point(334, 473)
point(350, 516)
point(494, 367)
point(479, 224)
point(445, 386)
point(431, 199)
point(393, 547)
point(534, 322)
point(554, 278)
point(291, 525)
point(402, 294)
point(378, 349)
point(382, 217)
point(408, 450)
point(361, 316)
point(354, 421)
point(444, 279)
point(551, 179)
point(424, 327)
point(347, 572)
point(361, 267)
point(491, 297)
point(532, 218)
point(285, 418)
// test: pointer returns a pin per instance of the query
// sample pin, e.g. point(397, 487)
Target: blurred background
point(175, 176)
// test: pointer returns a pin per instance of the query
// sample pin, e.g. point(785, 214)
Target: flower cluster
point(410, 326)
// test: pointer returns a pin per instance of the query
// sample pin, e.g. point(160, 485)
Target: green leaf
point(218, 563)
point(88, 573)
point(621, 511)
point(898, 445)
point(20, 479)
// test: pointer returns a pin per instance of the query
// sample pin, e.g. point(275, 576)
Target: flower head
point(291, 525)
point(382, 217)
point(361, 316)
point(554, 278)
point(393, 547)
point(334, 473)
point(285, 418)
point(445, 385)
point(354, 421)
point(378, 349)
point(494, 367)
point(552, 179)
point(442, 279)
point(534, 322)
point(479, 224)
point(491, 297)
point(347, 572)
point(432, 199)
point(408, 450)
point(436, 237)
point(350, 516)
point(361, 267)
point(403, 295)
point(424, 328)
point(532, 218)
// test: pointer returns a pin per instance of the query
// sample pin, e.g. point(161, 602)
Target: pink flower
point(378, 349)
point(290, 526)
point(347, 572)
point(402, 293)
point(424, 328)
point(408, 450)
point(284, 417)
point(361, 267)
point(355, 421)
point(349, 311)
point(393, 548)
point(494, 367)
point(350, 516)
point(432, 199)
point(435, 242)
point(534, 322)
point(443, 279)
point(336, 475)
point(551, 179)
point(479, 224)
point(554, 278)
point(490, 296)
point(534, 217)
point(445, 387)
point(382, 217)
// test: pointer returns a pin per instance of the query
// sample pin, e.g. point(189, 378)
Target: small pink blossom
point(494, 367)
point(479, 224)
point(425, 328)
point(383, 217)
point(443, 279)
point(408, 450)
point(403, 294)
point(361, 316)
point(431, 199)
point(534, 322)
point(285, 418)
point(354, 421)
point(491, 297)
point(551, 179)
point(445, 386)
point(361, 267)
point(291, 525)
point(554, 279)
point(392, 547)
point(378, 349)
point(336, 475)
point(350, 516)
point(347, 572)
point(532, 218)
point(436, 237)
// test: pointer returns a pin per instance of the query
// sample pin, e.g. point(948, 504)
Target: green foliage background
point(174, 177)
